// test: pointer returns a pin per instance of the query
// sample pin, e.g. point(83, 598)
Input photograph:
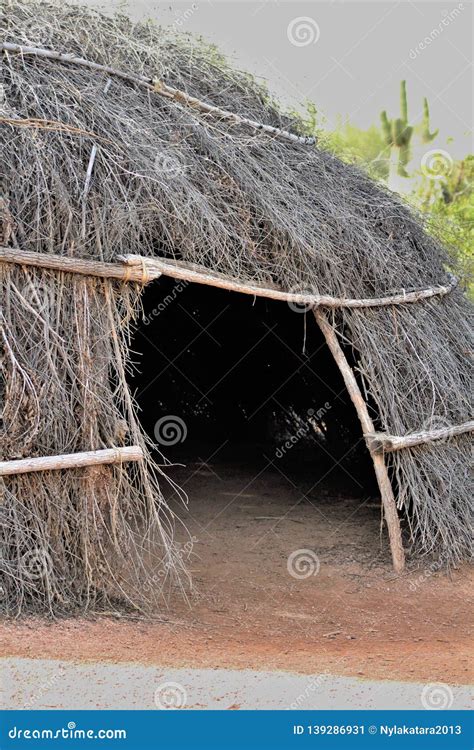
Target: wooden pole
point(76, 265)
point(141, 269)
point(71, 460)
point(381, 442)
point(386, 491)
point(158, 87)
point(202, 275)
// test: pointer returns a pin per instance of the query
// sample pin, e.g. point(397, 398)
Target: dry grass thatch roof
point(170, 181)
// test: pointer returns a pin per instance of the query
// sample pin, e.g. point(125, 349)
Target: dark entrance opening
point(224, 378)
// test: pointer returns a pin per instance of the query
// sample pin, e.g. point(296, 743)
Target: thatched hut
point(127, 153)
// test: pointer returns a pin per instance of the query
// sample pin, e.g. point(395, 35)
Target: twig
point(35, 122)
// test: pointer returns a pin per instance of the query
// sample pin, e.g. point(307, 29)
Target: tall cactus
point(403, 101)
point(426, 136)
point(398, 134)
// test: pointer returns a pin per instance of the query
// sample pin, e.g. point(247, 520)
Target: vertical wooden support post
point(386, 491)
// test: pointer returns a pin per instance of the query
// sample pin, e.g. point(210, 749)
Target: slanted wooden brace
point(383, 480)
point(142, 270)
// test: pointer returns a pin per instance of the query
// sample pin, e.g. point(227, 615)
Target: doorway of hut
point(249, 415)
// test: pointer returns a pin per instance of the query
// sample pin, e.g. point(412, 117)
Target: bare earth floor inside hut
point(354, 618)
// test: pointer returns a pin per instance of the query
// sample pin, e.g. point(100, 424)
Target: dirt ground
point(351, 615)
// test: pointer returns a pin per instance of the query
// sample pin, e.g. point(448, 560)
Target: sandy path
point(50, 684)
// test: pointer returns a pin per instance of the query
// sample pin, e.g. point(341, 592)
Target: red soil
point(354, 617)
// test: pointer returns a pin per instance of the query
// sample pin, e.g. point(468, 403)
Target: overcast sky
point(347, 57)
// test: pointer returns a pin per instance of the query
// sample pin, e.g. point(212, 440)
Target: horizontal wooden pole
point(71, 460)
point(141, 269)
point(381, 442)
point(158, 87)
point(77, 265)
point(201, 275)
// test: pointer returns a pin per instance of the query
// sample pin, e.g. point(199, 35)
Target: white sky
point(360, 52)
